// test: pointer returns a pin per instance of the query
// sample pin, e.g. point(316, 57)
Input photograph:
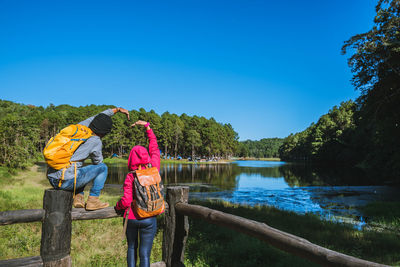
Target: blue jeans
point(96, 173)
point(147, 229)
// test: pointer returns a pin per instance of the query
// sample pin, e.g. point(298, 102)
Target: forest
point(25, 130)
point(264, 148)
point(364, 133)
point(329, 140)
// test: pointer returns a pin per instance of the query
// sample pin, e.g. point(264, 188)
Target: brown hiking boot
point(94, 203)
point(79, 201)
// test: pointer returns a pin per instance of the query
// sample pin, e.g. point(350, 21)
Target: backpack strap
point(74, 180)
point(62, 176)
point(146, 165)
point(126, 222)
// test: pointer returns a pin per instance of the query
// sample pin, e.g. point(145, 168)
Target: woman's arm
point(127, 198)
point(154, 151)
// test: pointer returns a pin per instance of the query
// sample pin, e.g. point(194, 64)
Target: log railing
point(56, 231)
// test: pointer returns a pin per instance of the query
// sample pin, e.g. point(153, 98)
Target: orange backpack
point(148, 196)
point(59, 149)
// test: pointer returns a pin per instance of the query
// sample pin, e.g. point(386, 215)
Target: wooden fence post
point(55, 247)
point(176, 227)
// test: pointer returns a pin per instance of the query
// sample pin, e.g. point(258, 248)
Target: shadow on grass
point(211, 245)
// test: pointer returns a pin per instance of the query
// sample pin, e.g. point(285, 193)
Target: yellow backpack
point(59, 149)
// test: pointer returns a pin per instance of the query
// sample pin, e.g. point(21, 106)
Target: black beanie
point(101, 124)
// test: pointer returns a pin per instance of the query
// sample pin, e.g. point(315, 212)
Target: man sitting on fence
point(74, 176)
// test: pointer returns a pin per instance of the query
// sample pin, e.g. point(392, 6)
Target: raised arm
point(122, 110)
point(154, 151)
point(109, 112)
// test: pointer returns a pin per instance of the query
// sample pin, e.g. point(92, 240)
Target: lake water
point(335, 194)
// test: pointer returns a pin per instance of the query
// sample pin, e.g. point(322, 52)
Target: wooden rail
point(284, 241)
point(37, 215)
point(57, 215)
point(21, 216)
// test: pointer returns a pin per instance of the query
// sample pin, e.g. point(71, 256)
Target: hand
point(119, 212)
point(124, 111)
point(139, 122)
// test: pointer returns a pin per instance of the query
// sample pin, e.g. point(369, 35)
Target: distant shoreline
point(185, 161)
point(172, 161)
point(260, 159)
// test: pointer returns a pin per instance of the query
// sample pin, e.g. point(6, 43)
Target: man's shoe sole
point(91, 209)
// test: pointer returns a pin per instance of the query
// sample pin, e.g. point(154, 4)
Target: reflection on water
point(201, 176)
point(334, 192)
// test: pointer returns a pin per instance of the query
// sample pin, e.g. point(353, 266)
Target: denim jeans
point(147, 230)
point(96, 173)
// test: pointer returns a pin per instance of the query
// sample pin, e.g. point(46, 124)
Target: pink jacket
point(138, 156)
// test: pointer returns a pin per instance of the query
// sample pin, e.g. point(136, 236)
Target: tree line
point(365, 132)
point(264, 148)
point(328, 140)
point(25, 130)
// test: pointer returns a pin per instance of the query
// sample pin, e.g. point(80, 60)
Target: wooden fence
point(57, 215)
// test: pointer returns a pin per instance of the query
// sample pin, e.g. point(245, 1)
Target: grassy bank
point(379, 246)
point(94, 242)
point(100, 242)
point(383, 215)
point(114, 160)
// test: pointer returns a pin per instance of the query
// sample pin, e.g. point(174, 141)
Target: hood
point(138, 156)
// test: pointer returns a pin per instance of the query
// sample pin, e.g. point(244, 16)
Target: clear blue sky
point(270, 68)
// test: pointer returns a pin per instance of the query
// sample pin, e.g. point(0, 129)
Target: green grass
point(218, 246)
point(6, 176)
point(101, 243)
point(115, 160)
point(94, 242)
point(21, 191)
point(383, 215)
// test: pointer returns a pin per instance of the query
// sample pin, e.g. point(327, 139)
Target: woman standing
point(144, 228)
